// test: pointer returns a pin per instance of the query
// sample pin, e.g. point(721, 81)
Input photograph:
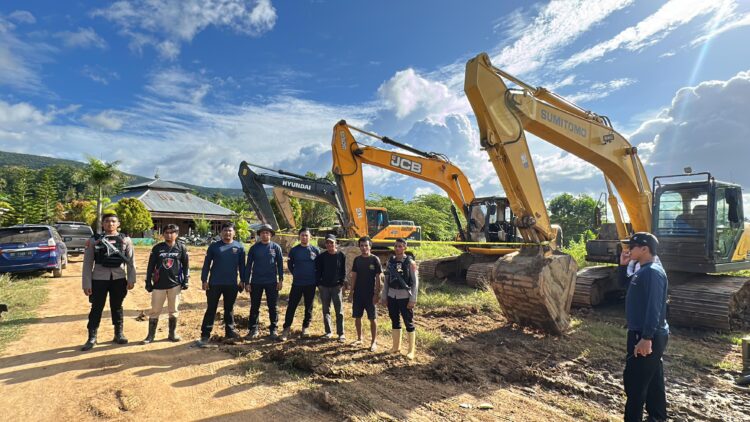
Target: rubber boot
point(152, 323)
point(119, 336)
point(411, 337)
point(90, 342)
point(173, 336)
point(396, 334)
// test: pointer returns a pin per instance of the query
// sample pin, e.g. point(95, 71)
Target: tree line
point(72, 193)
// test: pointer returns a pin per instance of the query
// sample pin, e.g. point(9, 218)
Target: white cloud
point(22, 16)
point(558, 24)
point(168, 24)
point(705, 127)
point(82, 38)
point(600, 90)
point(21, 115)
point(20, 60)
point(99, 74)
point(408, 97)
point(107, 120)
point(176, 84)
point(649, 31)
point(720, 28)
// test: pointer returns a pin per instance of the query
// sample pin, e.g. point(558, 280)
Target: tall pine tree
point(46, 195)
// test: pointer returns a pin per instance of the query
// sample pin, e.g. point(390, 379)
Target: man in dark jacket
point(330, 267)
point(648, 331)
point(225, 262)
point(264, 272)
point(301, 263)
point(167, 274)
point(108, 269)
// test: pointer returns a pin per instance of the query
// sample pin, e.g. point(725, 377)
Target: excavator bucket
point(536, 289)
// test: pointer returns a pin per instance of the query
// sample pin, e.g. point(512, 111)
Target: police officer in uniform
point(108, 269)
point(400, 295)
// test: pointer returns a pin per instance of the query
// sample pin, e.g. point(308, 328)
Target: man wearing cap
point(264, 272)
point(301, 264)
point(224, 262)
point(330, 268)
point(648, 331)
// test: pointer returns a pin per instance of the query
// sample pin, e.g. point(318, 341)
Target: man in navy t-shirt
point(224, 262)
point(264, 272)
point(301, 263)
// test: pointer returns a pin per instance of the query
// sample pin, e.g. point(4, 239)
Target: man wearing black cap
point(330, 269)
point(264, 272)
point(648, 331)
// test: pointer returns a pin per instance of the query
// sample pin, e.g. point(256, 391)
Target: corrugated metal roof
point(157, 200)
point(157, 184)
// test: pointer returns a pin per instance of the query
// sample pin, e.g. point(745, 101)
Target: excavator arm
point(252, 185)
point(283, 196)
point(348, 157)
point(504, 114)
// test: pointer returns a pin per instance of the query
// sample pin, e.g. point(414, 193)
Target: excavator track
point(594, 285)
point(479, 275)
point(536, 289)
point(710, 301)
point(438, 269)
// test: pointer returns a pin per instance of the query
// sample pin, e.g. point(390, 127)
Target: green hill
point(37, 162)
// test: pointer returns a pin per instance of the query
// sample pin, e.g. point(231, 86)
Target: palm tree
point(101, 174)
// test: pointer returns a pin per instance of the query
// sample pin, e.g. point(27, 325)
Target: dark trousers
point(272, 300)
point(117, 290)
point(295, 295)
point(644, 380)
point(396, 310)
point(213, 294)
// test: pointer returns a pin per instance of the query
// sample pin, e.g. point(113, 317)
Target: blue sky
point(193, 87)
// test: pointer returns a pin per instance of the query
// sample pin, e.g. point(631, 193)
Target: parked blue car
point(32, 247)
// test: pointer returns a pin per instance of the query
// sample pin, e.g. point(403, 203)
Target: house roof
point(166, 197)
point(157, 184)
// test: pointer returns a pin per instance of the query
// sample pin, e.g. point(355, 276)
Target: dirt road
point(523, 376)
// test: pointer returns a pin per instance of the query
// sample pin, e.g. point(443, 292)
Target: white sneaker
point(374, 347)
point(327, 335)
point(357, 342)
point(342, 338)
point(305, 333)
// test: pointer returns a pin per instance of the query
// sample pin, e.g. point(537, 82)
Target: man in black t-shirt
point(167, 275)
point(366, 277)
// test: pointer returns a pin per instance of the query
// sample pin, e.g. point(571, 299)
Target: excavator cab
point(700, 224)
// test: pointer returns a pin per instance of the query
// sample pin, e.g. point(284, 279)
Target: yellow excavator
point(697, 219)
point(487, 219)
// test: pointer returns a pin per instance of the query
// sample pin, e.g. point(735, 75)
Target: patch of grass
point(23, 296)
point(577, 249)
point(433, 250)
point(734, 338)
point(430, 340)
point(456, 296)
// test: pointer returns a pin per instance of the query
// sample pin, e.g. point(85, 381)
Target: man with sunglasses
point(648, 331)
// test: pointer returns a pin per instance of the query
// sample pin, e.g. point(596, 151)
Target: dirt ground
point(476, 358)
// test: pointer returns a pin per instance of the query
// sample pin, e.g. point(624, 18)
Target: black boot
point(230, 333)
point(91, 341)
point(172, 327)
point(152, 323)
point(119, 336)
